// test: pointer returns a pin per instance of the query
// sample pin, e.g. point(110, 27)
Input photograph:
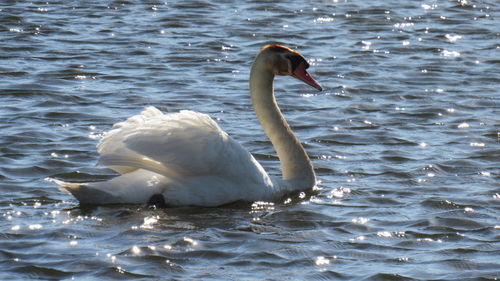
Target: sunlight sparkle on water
point(110, 256)
point(35, 227)
point(366, 45)
point(477, 144)
point(403, 25)
point(262, 205)
point(428, 7)
point(453, 38)
point(190, 241)
point(149, 222)
point(384, 234)
point(95, 136)
point(360, 220)
point(321, 261)
point(429, 240)
point(323, 20)
point(339, 192)
point(486, 174)
point(453, 54)
point(308, 95)
point(359, 238)
point(135, 250)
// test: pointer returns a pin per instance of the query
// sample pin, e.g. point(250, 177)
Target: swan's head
point(285, 61)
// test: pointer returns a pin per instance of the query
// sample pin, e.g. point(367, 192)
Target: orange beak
point(301, 73)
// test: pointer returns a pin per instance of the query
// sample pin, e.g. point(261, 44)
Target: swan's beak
point(301, 73)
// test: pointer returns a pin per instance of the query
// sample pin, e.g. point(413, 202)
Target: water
point(405, 138)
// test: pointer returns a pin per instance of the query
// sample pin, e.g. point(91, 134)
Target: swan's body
point(186, 159)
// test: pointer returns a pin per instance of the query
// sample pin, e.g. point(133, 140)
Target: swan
point(185, 159)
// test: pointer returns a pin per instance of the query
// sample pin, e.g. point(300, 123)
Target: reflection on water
point(405, 138)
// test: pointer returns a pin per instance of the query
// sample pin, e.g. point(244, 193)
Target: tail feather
point(85, 193)
point(136, 187)
point(66, 186)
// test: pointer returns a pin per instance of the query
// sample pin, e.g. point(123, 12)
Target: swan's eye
point(296, 60)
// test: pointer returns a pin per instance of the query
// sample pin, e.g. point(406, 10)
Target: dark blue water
point(405, 139)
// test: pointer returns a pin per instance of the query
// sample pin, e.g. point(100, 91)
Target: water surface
point(404, 139)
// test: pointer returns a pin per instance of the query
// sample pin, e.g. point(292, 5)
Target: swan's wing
point(179, 144)
point(113, 151)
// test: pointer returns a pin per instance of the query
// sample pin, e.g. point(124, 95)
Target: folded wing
point(176, 145)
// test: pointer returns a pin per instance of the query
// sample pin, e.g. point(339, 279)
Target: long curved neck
point(295, 164)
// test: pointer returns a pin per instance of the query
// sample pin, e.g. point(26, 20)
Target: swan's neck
point(295, 164)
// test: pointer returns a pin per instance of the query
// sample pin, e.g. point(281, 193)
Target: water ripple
point(405, 138)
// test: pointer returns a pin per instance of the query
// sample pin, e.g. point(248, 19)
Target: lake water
point(405, 138)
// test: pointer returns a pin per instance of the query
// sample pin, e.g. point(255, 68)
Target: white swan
point(184, 158)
